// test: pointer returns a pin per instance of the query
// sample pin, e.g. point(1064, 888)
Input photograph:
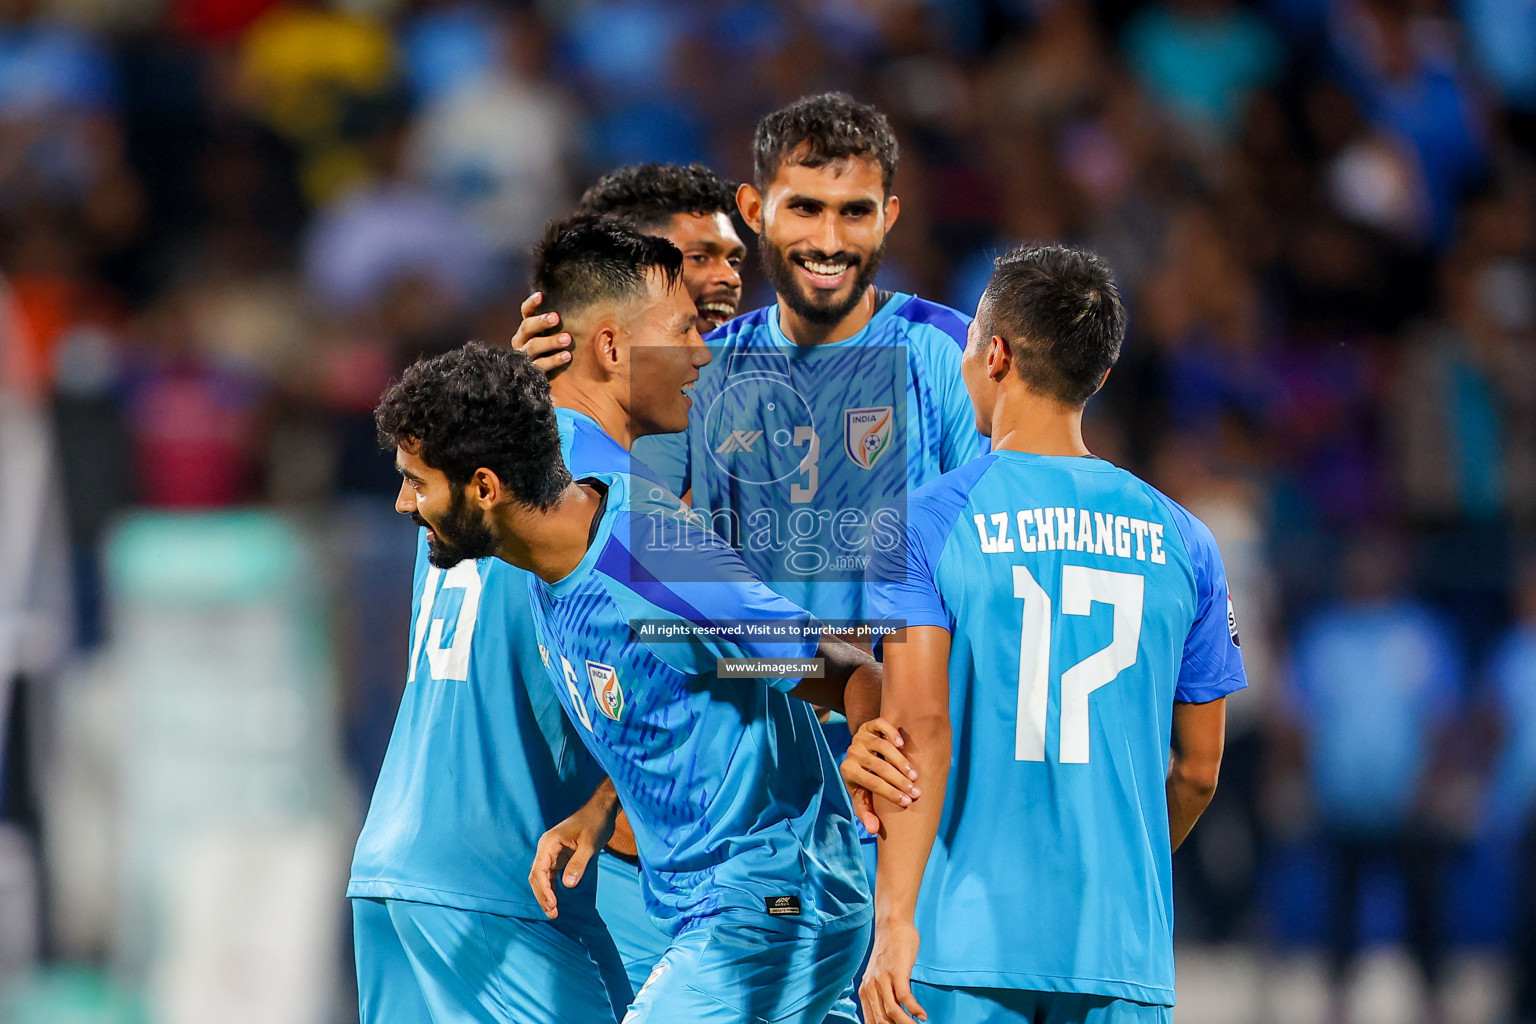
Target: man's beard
point(461, 534)
point(781, 274)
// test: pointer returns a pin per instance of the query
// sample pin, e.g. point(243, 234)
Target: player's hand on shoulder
point(874, 766)
point(548, 351)
point(887, 988)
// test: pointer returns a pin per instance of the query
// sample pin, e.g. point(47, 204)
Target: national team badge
point(867, 434)
point(606, 690)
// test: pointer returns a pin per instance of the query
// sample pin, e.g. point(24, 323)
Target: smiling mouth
point(717, 312)
point(687, 390)
point(824, 275)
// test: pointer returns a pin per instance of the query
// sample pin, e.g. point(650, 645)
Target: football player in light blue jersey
point(483, 759)
point(617, 381)
point(744, 830)
point(1065, 627)
point(831, 404)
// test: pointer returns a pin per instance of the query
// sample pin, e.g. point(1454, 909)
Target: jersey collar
point(615, 500)
point(876, 322)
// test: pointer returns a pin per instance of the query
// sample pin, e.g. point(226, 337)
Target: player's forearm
point(1199, 737)
point(861, 697)
point(1190, 788)
point(850, 682)
point(602, 807)
point(909, 831)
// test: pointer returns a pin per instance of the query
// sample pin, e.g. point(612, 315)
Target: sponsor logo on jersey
point(606, 690)
point(1232, 623)
point(867, 434)
point(782, 906)
point(739, 441)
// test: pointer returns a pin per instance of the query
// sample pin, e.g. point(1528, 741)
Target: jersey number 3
point(1080, 588)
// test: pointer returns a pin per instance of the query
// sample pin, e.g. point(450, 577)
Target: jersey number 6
point(1080, 588)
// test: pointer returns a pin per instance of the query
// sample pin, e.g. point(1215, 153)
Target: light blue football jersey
point(794, 450)
point(482, 759)
point(734, 798)
point(1082, 605)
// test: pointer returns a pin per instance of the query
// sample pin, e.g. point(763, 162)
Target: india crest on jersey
point(606, 690)
point(867, 434)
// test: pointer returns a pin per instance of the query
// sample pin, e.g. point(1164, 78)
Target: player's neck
point(595, 400)
point(550, 544)
point(1022, 422)
point(801, 331)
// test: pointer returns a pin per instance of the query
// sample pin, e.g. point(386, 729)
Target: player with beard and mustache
point(482, 759)
point(820, 412)
point(827, 406)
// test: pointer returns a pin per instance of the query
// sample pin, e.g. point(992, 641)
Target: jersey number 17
point(1080, 588)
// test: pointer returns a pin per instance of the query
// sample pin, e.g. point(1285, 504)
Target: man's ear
point(999, 358)
point(750, 202)
point(605, 347)
point(892, 210)
point(485, 489)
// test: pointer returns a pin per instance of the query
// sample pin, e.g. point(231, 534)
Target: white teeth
point(717, 309)
point(689, 386)
point(824, 269)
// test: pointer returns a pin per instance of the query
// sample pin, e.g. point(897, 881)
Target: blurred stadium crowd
point(224, 224)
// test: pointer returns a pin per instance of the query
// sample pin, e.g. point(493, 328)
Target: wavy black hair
point(648, 196)
point(818, 130)
point(588, 259)
point(478, 407)
point(1060, 313)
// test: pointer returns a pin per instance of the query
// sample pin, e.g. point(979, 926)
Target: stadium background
point(225, 223)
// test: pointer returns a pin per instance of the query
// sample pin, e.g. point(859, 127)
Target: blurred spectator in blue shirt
point(390, 230)
point(1378, 678)
point(1512, 802)
point(1404, 70)
point(1203, 60)
point(498, 148)
point(57, 96)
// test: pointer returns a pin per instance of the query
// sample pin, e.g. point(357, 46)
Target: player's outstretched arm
point(571, 845)
point(549, 352)
point(850, 685)
point(1199, 734)
point(916, 701)
point(875, 766)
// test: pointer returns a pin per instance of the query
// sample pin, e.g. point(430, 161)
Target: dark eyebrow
point(716, 249)
point(412, 477)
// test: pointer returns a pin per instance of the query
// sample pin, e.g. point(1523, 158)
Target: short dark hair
point(1060, 313)
point(815, 131)
point(475, 407)
point(584, 259)
point(647, 196)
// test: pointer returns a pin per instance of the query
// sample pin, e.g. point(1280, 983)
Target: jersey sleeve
point(695, 579)
point(901, 585)
point(1213, 660)
point(959, 440)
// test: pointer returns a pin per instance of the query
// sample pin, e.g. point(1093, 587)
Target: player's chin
point(827, 301)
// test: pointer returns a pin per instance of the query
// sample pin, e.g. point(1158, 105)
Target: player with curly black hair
point(746, 833)
point(430, 412)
